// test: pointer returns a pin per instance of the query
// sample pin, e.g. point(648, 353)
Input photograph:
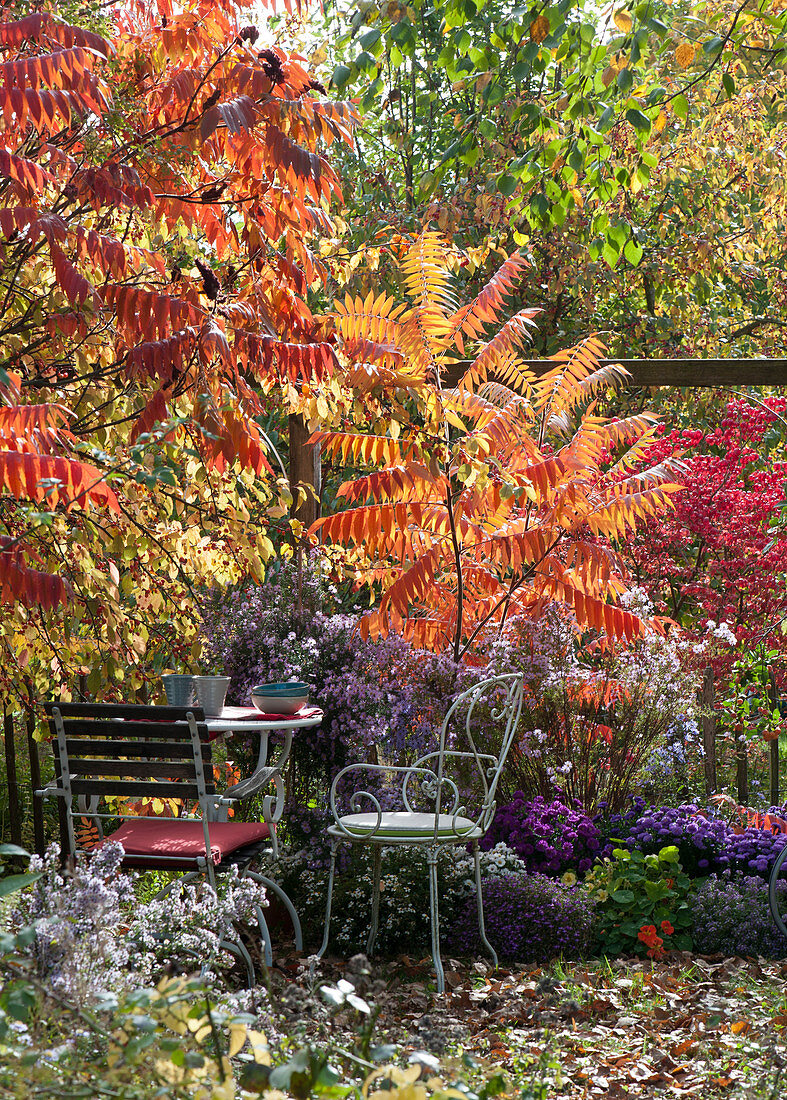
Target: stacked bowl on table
point(280, 698)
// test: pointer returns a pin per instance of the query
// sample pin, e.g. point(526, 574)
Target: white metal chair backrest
point(503, 695)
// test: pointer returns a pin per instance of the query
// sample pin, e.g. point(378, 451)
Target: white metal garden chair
point(487, 713)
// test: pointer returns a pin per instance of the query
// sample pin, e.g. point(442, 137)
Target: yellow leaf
point(623, 21)
point(260, 1048)
point(660, 122)
point(539, 28)
point(237, 1039)
point(684, 54)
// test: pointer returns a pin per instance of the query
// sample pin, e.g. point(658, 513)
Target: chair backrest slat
point(120, 788)
point(128, 730)
point(126, 711)
point(148, 769)
point(164, 750)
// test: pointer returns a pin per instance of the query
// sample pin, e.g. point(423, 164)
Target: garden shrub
point(731, 917)
point(91, 935)
point(706, 843)
point(404, 899)
point(591, 720)
point(549, 837)
point(528, 918)
point(641, 902)
point(375, 695)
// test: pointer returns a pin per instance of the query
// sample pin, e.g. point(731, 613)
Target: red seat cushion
point(166, 836)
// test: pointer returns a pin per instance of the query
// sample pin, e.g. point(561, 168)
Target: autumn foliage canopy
point(162, 174)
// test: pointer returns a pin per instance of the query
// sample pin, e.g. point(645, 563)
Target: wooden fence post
point(773, 795)
point(742, 770)
point(14, 813)
point(708, 718)
point(39, 842)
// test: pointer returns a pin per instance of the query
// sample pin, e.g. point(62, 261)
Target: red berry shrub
point(721, 554)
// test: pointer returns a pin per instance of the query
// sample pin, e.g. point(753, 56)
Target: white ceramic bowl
point(279, 704)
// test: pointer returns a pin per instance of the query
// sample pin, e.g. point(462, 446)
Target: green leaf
point(610, 254)
point(729, 85)
point(254, 1077)
point(625, 80)
point(341, 74)
point(11, 883)
point(680, 106)
point(638, 120)
point(713, 45)
point(633, 253)
point(13, 850)
point(369, 38)
point(623, 897)
point(506, 184)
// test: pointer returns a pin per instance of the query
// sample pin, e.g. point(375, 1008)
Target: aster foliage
point(550, 837)
point(706, 842)
point(372, 693)
point(529, 918)
point(93, 936)
point(404, 901)
point(591, 719)
point(730, 917)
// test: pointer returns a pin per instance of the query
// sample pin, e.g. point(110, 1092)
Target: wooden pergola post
point(305, 472)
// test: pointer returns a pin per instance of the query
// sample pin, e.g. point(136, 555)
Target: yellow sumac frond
point(355, 448)
point(426, 275)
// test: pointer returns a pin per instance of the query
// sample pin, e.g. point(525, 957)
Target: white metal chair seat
point(407, 827)
point(461, 774)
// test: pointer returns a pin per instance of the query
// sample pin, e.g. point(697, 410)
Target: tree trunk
point(14, 814)
point(708, 720)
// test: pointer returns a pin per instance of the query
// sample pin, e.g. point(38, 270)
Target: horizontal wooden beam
point(694, 372)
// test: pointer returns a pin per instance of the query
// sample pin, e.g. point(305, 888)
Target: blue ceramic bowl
point(280, 698)
point(288, 687)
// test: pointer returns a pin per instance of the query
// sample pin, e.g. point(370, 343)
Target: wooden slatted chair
point(105, 752)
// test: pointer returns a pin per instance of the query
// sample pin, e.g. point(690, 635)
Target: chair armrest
point(251, 785)
point(51, 790)
point(408, 772)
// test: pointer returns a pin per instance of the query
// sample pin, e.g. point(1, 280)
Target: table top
point(234, 719)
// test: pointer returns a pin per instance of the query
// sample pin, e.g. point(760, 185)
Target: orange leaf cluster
point(500, 496)
point(222, 139)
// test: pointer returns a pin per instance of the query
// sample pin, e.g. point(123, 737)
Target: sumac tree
point(495, 495)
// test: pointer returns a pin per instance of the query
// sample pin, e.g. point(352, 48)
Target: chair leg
point(326, 932)
point(269, 884)
point(375, 900)
point(434, 912)
point(238, 948)
point(480, 900)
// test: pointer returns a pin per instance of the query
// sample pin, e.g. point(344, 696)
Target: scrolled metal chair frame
point(429, 771)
